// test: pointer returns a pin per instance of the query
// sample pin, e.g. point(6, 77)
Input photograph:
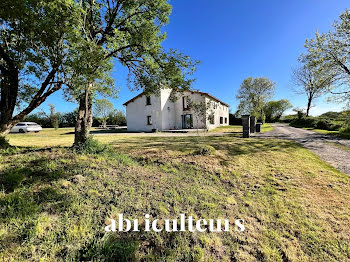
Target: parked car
point(24, 127)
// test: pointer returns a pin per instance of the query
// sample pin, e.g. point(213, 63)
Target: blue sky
point(235, 39)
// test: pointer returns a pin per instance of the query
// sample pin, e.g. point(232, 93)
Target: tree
point(103, 108)
point(202, 112)
point(54, 117)
point(299, 112)
point(312, 80)
point(69, 118)
point(117, 117)
point(253, 95)
point(331, 51)
point(34, 50)
point(130, 32)
point(274, 110)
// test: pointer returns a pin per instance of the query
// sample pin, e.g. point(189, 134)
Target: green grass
point(239, 129)
point(55, 203)
point(227, 129)
point(341, 134)
point(266, 127)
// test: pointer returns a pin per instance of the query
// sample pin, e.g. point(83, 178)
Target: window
point(148, 100)
point(225, 120)
point(149, 120)
point(20, 124)
point(221, 120)
point(185, 102)
point(212, 119)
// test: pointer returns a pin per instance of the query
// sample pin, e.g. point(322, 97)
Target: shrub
point(346, 125)
point(309, 122)
point(205, 150)
point(4, 143)
point(92, 146)
point(233, 120)
point(288, 118)
point(336, 127)
point(324, 124)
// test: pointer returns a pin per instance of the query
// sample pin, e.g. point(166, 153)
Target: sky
point(236, 39)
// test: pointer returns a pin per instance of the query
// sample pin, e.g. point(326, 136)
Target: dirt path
point(335, 151)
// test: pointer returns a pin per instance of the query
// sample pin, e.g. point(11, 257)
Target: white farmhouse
point(162, 112)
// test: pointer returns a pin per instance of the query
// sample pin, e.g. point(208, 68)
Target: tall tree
point(129, 31)
point(33, 53)
point(332, 52)
point(313, 81)
point(103, 108)
point(253, 95)
point(117, 117)
point(54, 116)
point(274, 109)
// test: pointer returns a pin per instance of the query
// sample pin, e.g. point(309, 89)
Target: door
point(187, 121)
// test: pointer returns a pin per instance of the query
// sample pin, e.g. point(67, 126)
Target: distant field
point(55, 203)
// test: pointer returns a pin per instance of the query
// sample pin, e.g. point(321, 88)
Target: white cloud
point(319, 110)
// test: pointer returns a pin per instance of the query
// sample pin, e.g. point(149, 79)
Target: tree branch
point(114, 52)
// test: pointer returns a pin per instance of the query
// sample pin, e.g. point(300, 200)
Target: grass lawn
point(239, 129)
point(55, 203)
point(332, 133)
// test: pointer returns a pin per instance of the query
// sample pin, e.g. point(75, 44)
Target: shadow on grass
point(39, 170)
point(131, 246)
point(110, 247)
point(104, 131)
point(232, 144)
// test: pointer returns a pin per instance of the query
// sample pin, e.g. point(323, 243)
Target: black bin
point(258, 127)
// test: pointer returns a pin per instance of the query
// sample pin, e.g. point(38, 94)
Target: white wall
point(221, 110)
point(194, 97)
point(167, 114)
point(168, 110)
point(137, 112)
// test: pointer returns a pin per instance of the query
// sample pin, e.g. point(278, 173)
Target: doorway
point(187, 121)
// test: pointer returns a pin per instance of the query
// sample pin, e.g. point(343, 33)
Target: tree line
point(324, 69)
point(105, 114)
point(72, 46)
point(254, 97)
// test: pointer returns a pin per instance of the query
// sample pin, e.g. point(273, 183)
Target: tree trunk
point(84, 119)
point(9, 93)
point(308, 106)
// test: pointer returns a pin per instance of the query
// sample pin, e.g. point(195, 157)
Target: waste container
point(246, 125)
point(258, 127)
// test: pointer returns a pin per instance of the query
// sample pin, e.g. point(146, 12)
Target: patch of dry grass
point(296, 207)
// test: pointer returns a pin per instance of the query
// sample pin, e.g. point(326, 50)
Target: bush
point(4, 143)
point(233, 120)
point(288, 118)
point(205, 150)
point(92, 146)
point(336, 127)
point(308, 122)
point(346, 125)
point(324, 124)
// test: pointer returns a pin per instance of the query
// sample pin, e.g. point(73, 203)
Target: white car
point(24, 127)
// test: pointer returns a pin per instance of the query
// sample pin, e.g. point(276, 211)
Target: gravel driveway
point(322, 145)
